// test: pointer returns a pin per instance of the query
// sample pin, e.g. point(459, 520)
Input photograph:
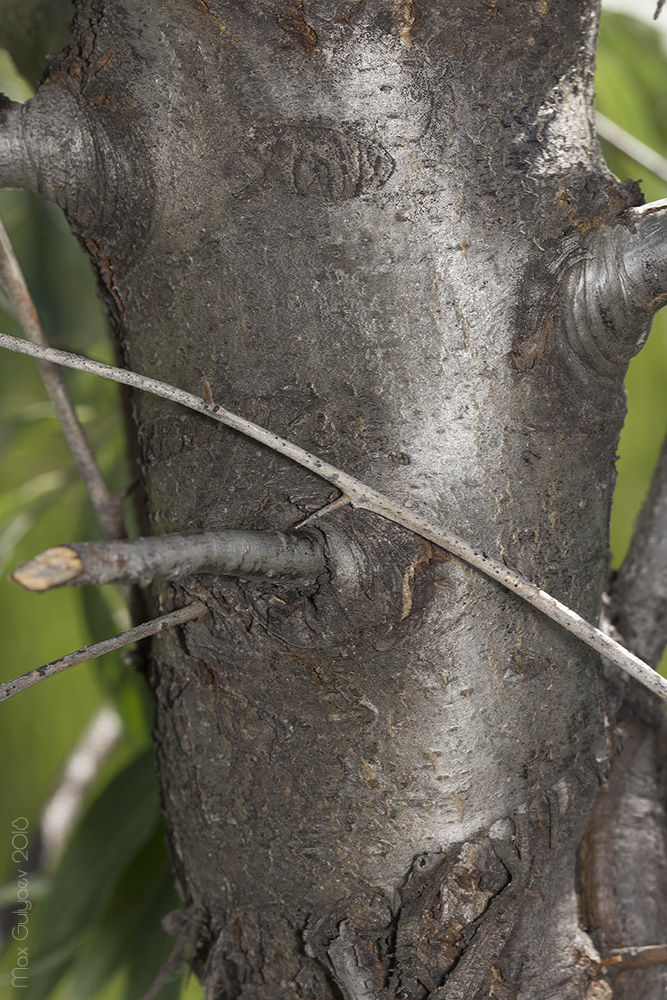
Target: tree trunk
point(385, 231)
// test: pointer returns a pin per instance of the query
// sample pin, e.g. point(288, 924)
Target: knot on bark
point(587, 301)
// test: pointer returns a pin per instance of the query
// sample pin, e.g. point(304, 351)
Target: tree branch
point(639, 592)
point(170, 620)
point(631, 146)
point(108, 508)
point(53, 144)
point(267, 554)
point(610, 297)
point(366, 498)
point(12, 166)
point(640, 957)
point(42, 144)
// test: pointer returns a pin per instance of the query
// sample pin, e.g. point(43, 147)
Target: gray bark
point(640, 592)
point(624, 886)
point(385, 231)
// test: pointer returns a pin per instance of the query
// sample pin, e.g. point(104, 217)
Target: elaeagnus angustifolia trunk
point(374, 228)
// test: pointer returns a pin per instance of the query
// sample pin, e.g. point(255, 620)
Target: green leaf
point(120, 682)
point(129, 935)
point(104, 844)
point(631, 83)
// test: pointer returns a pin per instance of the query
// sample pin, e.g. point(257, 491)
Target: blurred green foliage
point(95, 923)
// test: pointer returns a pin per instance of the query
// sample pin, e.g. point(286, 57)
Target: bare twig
point(640, 957)
point(267, 554)
point(642, 154)
point(366, 498)
point(185, 614)
point(108, 508)
point(323, 511)
point(639, 593)
point(658, 8)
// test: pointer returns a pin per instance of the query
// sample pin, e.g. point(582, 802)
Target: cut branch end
point(54, 567)
point(264, 554)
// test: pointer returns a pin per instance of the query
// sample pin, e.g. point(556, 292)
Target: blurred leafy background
point(76, 751)
point(98, 893)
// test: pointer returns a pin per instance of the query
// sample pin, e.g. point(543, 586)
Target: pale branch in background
point(266, 554)
point(170, 620)
point(81, 767)
point(640, 957)
point(365, 498)
point(631, 146)
point(108, 508)
point(639, 592)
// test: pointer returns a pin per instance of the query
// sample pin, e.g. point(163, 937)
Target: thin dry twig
point(266, 554)
point(365, 498)
point(107, 507)
point(640, 957)
point(25, 681)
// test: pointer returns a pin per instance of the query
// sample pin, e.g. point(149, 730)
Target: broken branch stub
point(265, 554)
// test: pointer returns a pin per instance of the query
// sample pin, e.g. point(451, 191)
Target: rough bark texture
point(374, 227)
